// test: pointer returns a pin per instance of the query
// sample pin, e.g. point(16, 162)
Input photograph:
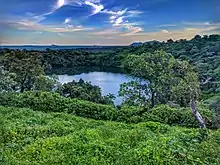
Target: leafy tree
point(135, 93)
point(156, 68)
point(7, 81)
point(46, 83)
point(169, 80)
point(27, 68)
point(85, 91)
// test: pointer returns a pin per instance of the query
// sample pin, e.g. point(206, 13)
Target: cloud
point(119, 18)
point(132, 31)
point(116, 13)
point(118, 21)
point(60, 3)
point(40, 17)
point(26, 25)
point(197, 23)
point(107, 32)
point(165, 31)
point(67, 20)
point(96, 8)
point(112, 36)
point(184, 33)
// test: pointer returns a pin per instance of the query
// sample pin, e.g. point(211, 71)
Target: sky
point(105, 22)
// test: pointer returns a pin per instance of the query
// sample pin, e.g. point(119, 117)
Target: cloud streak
point(26, 25)
point(96, 7)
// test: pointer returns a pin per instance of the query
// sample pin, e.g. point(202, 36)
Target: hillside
point(33, 137)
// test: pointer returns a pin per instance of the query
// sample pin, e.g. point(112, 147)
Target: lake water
point(108, 82)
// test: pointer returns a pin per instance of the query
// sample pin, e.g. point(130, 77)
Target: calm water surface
point(108, 82)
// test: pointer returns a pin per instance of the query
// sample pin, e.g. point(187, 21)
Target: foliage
point(56, 138)
point(52, 134)
point(130, 114)
point(85, 91)
point(7, 80)
point(135, 93)
point(177, 116)
point(53, 102)
point(167, 80)
point(26, 67)
point(203, 52)
point(152, 67)
point(46, 83)
point(214, 104)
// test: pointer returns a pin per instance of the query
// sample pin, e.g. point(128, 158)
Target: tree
point(27, 68)
point(155, 68)
point(187, 86)
point(169, 80)
point(7, 81)
point(85, 91)
point(135, 93)
point(46, 83)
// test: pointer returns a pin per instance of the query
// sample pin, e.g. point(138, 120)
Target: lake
point(107, 81)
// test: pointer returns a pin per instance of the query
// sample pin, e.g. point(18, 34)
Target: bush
point(130, 114)
point(214, 104)
point(177, 116)
point(53, 102)
point(33, 137)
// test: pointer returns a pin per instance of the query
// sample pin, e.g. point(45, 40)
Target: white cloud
point(67, 20)
point(96, 8)
point(135, 12)
point(60, 3)
point(165, 31)
point(116, 13)
point(118, 21)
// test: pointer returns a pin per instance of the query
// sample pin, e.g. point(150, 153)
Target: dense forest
point(179, 107)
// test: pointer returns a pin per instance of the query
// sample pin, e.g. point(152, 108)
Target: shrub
point(176, 116)
point(33, 137)
point(53, 102)
point(214, 105)
point(130, 114)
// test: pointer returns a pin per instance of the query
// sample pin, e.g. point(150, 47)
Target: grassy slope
point(29, 137)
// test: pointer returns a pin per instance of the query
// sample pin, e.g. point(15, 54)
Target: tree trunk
point(152, 99)
point(22, 83)
point(196, 114)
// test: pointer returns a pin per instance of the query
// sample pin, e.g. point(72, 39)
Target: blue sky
point(105, 22)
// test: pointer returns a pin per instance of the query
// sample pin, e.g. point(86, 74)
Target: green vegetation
point(53, 102)
point(29, 137)
point(169, 79)
point(203, 52)
point(85, 91)
point(176, 91)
